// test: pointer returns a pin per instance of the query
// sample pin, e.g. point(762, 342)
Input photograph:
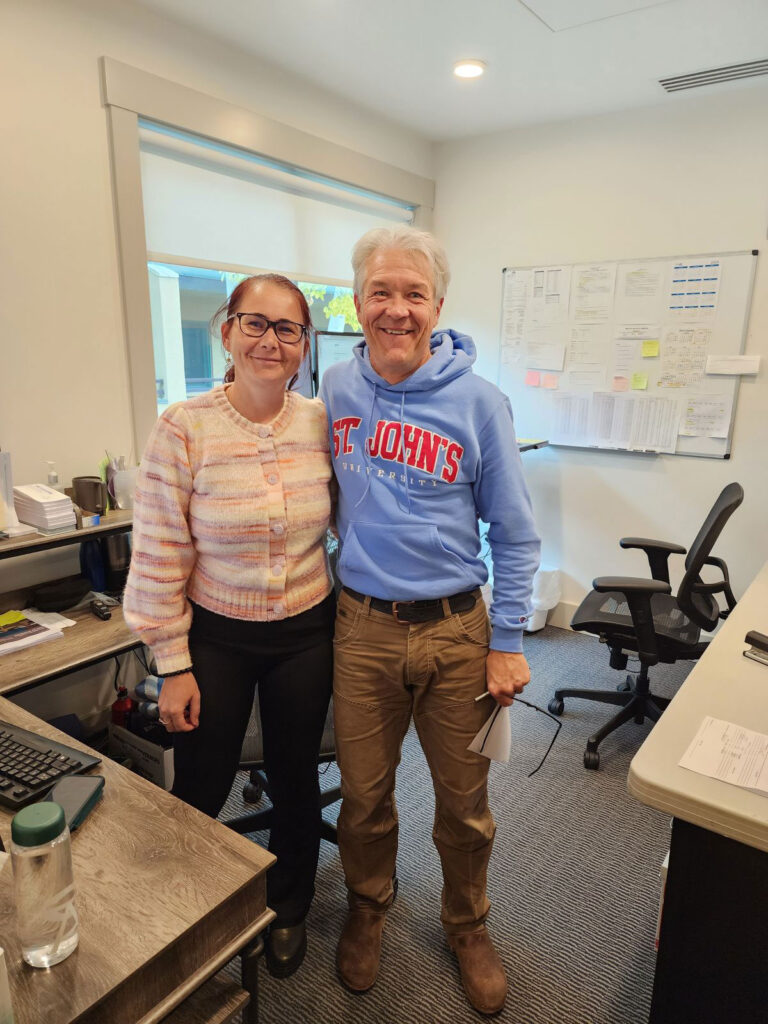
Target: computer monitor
point(331, 347)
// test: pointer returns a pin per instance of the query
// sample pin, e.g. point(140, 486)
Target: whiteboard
point(614, 354)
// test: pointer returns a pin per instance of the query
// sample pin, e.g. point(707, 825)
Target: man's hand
point(506, 674)
point(178, 694)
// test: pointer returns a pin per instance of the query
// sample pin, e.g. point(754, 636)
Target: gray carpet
point(574, 879)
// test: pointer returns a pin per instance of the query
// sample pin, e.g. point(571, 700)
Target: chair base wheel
point(556, 706)
point(591, 759)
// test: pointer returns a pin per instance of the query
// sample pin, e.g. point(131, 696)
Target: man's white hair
point(407, 239)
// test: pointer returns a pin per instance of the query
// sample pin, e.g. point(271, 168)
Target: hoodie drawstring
point(407, 506)
point(368, 467)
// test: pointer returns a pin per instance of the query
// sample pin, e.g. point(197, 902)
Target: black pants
point(291, 661)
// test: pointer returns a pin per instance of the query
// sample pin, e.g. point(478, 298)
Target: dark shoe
point(359, 949)
point(482, 972)
point(285, 949)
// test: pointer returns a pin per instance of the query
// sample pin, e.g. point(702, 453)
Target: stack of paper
point(43, 507)
point(18, 630)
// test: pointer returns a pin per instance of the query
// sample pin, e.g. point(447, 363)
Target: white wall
point(63, 372)
point(690, 178)
point(63, 375)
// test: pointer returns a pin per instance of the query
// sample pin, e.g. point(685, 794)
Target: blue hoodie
point(417, 463)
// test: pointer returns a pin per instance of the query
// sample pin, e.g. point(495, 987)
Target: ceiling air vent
point(731, 73)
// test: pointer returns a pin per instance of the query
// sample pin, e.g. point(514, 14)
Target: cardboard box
point(149, 760)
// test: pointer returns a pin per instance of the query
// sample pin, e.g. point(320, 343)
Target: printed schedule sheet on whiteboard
point(633, 355)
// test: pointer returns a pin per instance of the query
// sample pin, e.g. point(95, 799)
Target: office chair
point(252, 760)
point(642, 617)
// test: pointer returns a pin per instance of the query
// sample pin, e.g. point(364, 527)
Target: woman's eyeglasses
point(254, 325)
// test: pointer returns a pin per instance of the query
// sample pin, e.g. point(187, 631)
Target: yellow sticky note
point(550, 380)
point(650, 348)
point(9, 619)
point(639, 381)
point(532, 379)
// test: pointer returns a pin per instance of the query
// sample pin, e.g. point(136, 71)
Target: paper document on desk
point(50, 619)
point(494, 740)
point(731, 753)
point(18, 631)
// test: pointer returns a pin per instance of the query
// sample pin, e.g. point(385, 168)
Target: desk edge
point(211, 967)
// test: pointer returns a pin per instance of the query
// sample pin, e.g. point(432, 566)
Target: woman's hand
point(179, 703)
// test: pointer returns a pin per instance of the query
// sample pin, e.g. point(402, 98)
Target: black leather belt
point(418, 611)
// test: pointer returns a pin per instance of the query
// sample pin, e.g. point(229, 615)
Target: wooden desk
point(166, 896)
point(117, 521)
point(714, 932)
point(86, 643)
point(90, 641)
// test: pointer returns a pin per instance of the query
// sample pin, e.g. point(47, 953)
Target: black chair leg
point(617, 698)
point(330, 796)
point(632, 710)
point(653, 709)
point(328, 832)
point(636, 702)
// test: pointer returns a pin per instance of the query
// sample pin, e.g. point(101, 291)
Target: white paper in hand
point(494, 740)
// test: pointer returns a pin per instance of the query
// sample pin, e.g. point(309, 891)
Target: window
point(143, 109)
point(214, 215)
point(183, 300)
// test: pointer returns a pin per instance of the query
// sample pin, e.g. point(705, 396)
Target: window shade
point(208, 202)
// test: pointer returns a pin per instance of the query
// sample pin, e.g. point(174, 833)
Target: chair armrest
point(638, 593)
point(723, 586)
point(658, 552)
point(630, 585)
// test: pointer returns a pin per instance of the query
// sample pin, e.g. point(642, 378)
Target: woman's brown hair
point(228, 309)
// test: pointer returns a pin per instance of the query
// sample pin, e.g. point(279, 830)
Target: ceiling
point(548, 60)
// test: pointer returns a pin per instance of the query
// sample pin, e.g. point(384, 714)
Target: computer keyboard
point(31, 764)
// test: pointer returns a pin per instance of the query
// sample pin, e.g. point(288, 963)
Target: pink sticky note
point(532, 379)
point(550, 380)
point(620, 384)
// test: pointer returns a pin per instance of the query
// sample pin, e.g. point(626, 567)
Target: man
point(421, 448)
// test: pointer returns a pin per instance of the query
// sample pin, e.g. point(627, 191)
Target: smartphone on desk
point(78, 795)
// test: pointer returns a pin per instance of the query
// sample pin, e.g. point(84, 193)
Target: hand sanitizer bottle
point(53, 476)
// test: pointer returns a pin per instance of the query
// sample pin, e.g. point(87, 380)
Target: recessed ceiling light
point(468, 68)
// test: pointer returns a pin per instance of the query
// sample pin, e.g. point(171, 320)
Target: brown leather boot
point(359, 949)
point(482, 972)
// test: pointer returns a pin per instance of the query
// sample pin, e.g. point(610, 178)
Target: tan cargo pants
point(386, 671)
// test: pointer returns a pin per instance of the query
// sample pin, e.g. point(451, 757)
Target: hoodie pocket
point(403, 561)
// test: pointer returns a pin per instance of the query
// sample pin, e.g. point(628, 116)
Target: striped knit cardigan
point(230, 514)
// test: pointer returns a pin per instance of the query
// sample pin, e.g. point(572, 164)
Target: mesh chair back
point(700, 606)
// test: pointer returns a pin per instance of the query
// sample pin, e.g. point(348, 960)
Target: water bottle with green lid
point(42, 876)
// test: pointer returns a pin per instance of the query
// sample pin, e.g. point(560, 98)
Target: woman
point(229, 584)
